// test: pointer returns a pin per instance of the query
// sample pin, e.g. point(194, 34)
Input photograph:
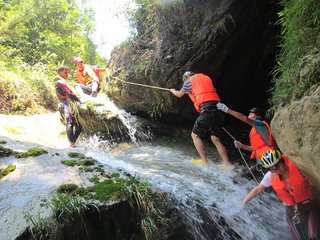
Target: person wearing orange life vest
point(294, 190)
point(260, 135)
point(87, 82)
point(201, 91)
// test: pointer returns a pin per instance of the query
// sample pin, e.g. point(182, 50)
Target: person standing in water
point(201, 91)
point(65, 94)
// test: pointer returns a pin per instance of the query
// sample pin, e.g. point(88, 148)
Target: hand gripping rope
point(241, 155)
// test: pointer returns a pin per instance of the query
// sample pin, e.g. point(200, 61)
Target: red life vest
point(258, 144)
point(296, 189)
point(202, 90)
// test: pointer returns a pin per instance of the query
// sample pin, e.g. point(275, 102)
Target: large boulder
point(232, 41)
point(296, 128)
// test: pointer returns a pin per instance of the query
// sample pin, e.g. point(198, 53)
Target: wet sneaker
point(199, 161)
point(226, 168)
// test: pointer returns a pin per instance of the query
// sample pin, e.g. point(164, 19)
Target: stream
point(208, 198)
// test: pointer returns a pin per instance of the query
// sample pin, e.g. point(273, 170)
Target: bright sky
point(111, 26)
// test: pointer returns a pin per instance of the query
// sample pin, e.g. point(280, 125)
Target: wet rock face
point(296, 129)
point(230, 40)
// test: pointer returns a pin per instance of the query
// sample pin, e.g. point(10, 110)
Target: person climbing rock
point(87, 82)
point(201, 91)
point(294, 190)
point(260, 136)
point(65, 94)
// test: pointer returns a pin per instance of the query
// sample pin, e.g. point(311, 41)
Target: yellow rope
point(142, 85)
point(241, 155)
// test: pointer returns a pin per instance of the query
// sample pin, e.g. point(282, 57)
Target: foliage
point(300, 40)
point(65, 205)
point(41, 227)
point(35, 38)
point(154, 223)
point(49, 31)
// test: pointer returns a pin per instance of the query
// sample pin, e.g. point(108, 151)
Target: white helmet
point(187, 74)
point(270, 158)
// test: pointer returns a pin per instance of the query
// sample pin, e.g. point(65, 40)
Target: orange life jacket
point(98, 71)
point(83, 76)
point(296, 189)
point(258, 144)
point(202, 90)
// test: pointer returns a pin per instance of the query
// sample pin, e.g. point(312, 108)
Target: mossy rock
point(76, 155)
point(87, 169)
point(99, 169)
point(67, 188)
point(108, 190)
point(32, 152)
point(94, 179)
point(3, 142)
point(4, 152)
point(83, 192)
point(7, 170)
point(69, 162)
point(87, 162)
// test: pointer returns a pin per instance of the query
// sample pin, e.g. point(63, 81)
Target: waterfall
point(208, 198)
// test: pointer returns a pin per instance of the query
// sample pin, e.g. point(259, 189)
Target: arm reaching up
point(240, 116)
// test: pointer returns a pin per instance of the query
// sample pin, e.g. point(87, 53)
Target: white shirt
point(266, 181)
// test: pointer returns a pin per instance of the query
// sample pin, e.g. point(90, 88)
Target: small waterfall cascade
point(118, 122)
point(208, 198)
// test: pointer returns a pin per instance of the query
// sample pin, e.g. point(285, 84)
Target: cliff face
point(297, 130)
point(232, 41)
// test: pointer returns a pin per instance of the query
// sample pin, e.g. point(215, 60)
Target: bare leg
point(94, 89)
point(80, 93)
point(200, 147)
point(221, 150)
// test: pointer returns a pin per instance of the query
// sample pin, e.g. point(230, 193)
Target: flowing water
point(208, 198)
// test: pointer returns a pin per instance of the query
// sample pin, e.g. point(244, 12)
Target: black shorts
point(209, 122)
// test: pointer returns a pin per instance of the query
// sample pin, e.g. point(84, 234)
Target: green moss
point(69, 162)
point(94, 179)
point(88, 169)
point(4, 152)
point(115, 175)
point(7, 170)
point(12, 130)
point(32, 152)
point(76, 155)
point(67, 188)
point(87, 162)
point(99, 169)
point(108, 190)
point(83, 192)
point(3, 142)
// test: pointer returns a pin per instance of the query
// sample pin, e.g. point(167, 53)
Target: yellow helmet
point(270, 158)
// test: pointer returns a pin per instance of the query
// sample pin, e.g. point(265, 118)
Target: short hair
point(61, 68)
